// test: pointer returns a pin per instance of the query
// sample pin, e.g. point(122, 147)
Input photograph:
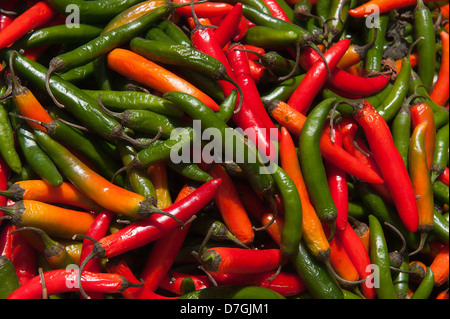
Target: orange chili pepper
point(139, 69)
point(230, 206)
point(440, 266)
point(54, 220)
point(313, 233)
point(158, 175)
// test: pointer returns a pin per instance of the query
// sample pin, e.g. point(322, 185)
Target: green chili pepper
point(283, 90)
point(323, 8)
point(257, 174)
point(278, 64)
point(8, 277)
point(311, 162)
point(379, 255)
point(174, 32)
point(384, 212)
point(292, 229)
point(156, 34)
point(440, 227)
point(108, 41)
point(93, 12)
point(78, 74)
point(203, 223)
point(337, 19)
point(7, 145)
point(394, 101)
point(375, 100)
point(426, 286)
point(267, 37)
point(357, 210)
point(145, 121)
point(424, 27)
point(102, 74)
point(137, 177)
point(440, 192)
point(60, 34)
point(124, 100)
point(82, 106)
point(84, 144)
point(401, 280)
point(401, 132)
point(181, 56)
point(227, 106)
point(233, 292)
point(375, 54)
point(319, 281)
point(37, 158)
point(190, 170)
point(440, 158)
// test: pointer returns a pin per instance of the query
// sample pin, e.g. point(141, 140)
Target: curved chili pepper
point(444, 177)
point(388, 159)
point(440, 267)
point(341, 81)
point(425, 287)
point(276, 10)
point(421, 113)
point(316, 77)
point(440, 91)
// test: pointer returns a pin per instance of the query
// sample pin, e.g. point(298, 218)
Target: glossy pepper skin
point(389, 160)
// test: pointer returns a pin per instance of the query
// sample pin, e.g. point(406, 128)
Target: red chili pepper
point(164, 251)
point(256, 69)
point(344, 83)
point(97, 230)
point(390, 162)
point(219, 260)
point(359, 257)
point(420, 113)
point(337, 181)
point(34, 17)
point(444, 177)
point(356, 147)
point(206, 10)
point(345, 161)
point(316, 77)
point(23, 257)
point(276, 10)
point(203, 39)
point(64, 280)
point(440, 91)
point(6, 241)
point(285, 283)
point(241, 69)
point(145, 231)
point(229, 25)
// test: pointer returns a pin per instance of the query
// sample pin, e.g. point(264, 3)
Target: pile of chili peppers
point(338, 187)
